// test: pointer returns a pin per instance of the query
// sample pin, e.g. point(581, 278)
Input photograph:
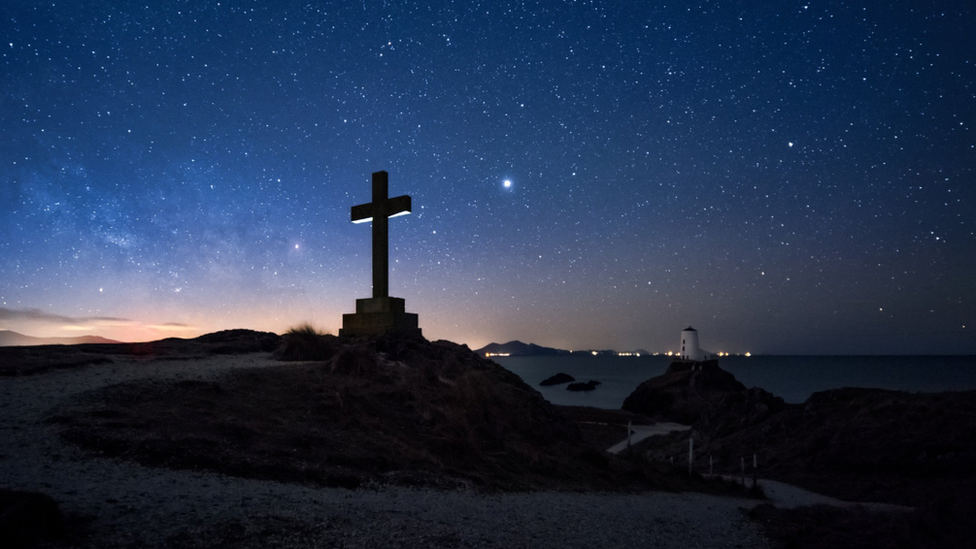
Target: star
point(638, 146)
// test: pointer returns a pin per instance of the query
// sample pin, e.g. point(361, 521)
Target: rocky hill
point(361, 411)
point(701, 393)
point(855, 444)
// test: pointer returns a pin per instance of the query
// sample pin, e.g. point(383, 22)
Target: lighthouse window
point(682, 342)
point(682, 347)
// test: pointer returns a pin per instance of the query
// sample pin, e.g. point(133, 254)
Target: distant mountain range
point(14, 339)
point(517, 348)
point(512, 348)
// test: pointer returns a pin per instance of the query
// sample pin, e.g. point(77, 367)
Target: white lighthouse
point(689, 346)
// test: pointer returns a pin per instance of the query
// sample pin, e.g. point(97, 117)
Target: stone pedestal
point(380, 316)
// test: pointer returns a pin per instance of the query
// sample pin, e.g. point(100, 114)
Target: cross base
point(378, 316)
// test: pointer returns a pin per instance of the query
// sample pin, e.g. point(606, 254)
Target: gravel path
point(640, 432)
point(136, 506)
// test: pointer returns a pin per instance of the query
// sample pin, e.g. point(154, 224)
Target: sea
point(794, 378)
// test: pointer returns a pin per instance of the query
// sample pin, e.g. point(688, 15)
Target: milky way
point(787, 177)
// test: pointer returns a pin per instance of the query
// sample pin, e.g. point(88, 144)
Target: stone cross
point(379, 211)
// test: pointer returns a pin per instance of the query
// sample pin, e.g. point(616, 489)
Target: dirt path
point(640, 432)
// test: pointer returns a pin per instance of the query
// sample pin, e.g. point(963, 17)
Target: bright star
point(507, 183)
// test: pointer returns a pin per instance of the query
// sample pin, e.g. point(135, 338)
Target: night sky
point(786, 177)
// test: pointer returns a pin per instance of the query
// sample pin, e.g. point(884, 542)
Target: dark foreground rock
point(557, 379)
point(824, 527)
point(382, 411)
point(27, 518)
point(587, 386)
point(862, 445)
point(692, 392)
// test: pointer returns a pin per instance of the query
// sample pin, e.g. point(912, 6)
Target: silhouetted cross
point(379, 211)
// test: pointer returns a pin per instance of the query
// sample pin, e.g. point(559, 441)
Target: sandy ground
point(135, 506)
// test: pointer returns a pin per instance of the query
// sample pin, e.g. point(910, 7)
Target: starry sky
point(786, 177)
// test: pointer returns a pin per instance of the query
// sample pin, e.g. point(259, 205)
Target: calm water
point(794, 378)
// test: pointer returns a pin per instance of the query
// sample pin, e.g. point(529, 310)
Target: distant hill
point(14, 339)
point(517, 348)
point(29, 358)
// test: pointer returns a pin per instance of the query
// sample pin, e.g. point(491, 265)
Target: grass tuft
point(304, 330)
point(303, 342)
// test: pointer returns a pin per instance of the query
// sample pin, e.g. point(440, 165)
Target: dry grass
point(304, 342)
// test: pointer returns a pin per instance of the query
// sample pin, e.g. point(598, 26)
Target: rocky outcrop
point(739, 411)
point(378, 410)
point(588, 386)
point(557, 379)
point(686, 392)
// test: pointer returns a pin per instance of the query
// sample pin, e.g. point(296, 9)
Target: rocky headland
point(866, 445)
point(324, 442)
point(217, 414)
point(350, 412)
point(703, 395)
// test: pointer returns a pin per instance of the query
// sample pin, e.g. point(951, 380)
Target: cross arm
point(362, 213)
point(400, 205)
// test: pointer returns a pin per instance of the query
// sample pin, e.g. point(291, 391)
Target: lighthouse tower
point(689, 346)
